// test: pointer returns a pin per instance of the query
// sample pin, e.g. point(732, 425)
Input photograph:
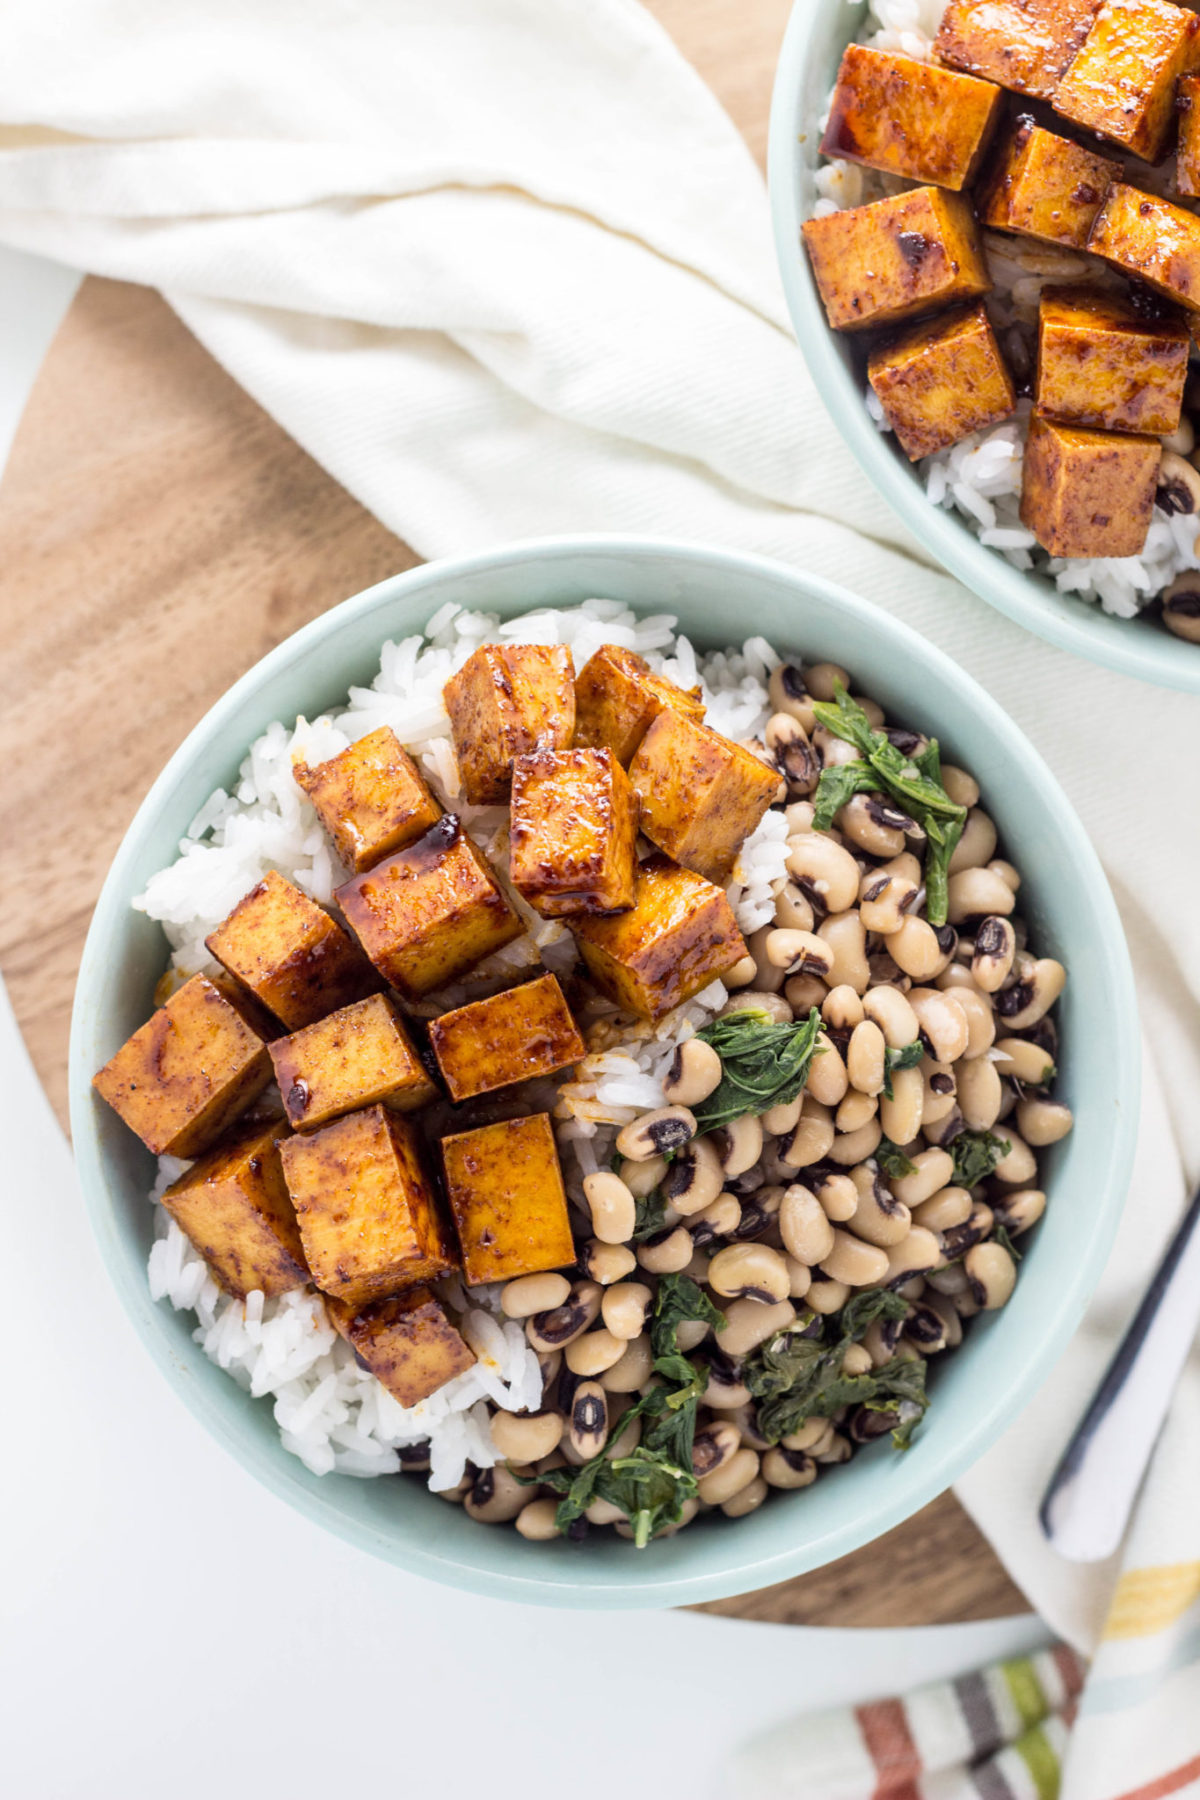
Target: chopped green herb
point(797, 1374)
point(838, 784)
point(892, 1159)
point(907, 1056)
point(1001, 1234)
point(976, 1154)
point(763, 1064)
point(649, 1216)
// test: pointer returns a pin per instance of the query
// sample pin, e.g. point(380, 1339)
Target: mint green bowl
point(718, 597)
point(817, 33)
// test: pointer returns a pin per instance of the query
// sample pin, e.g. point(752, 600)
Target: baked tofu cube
point(291, 955)
point(1121, 83)
point(1088, 493)
point(618, 697)
point(1102, 363)
point(910, 118)
point(506, 1192)
point(359, 1056)
point(513, 1036)
point(1044, 186)
point(367, 1212)
point(191, 1068)
point(430, 912)
point(407, 1342)
point(572, 832)
point(680, 935)
point(941, 380)
point(886, 262)
point(371, 798)
point(1150, 238)
point(701, 794)
point(1187, 163)
point(1025, 45)
point(505, 700)
point(234, 1207)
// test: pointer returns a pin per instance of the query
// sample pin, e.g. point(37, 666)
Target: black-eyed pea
point(725, 1391)
point(594, 1352)
point(847, 940)
point(641, 1178)
point(1044, 1122)
point(603, 1512)
point(827, 1077)
point(667, 1253)
point(749, 1323)
point(538, 1521)
point(959, 1239)
point(952, 1331)
point(809, 1436)
point(549, 1362)
point(799, 1277)
point(944, 1210)
point(694, 1074)
point(799, 815)
point(625, 1308)
point(813, 1137)
point(992, 1274)
point(1007, 872)
point(1018, 1166)
point(995, 948)
point(631, 1370)
point(606, 1263)
point(825, 1296)
point(980, 1093)
point(787, 693)
point(1018, 1211)
point(883, 902)
point(948, 1281)
point(976, 846)
point(892, 1011)
point(495, 1496)
point(931, 1171)
point(940, 1096)
point(526, 1437)
point(900, 1116)
point(855, 1111)
point(530, 1294)
point(787, 745)
point(916, 1254)
point(746, 1420)
point(962, 788)
point(457, 1494)
point(824, 870)
point(842, 1009)
point(943, 1022)
point(613, 1207)
point(838, 1450)
point(874, 823)
point(738, 1145)
point(798, 952)
point(742, 973)
point(865, 1063)
point(857, 1360)
point(788, 1468)
point(802, 993)
point(769, 977)
point(879, 1217)
point(944, 1130)
point(880, 1340)
point(691, 1332)
point(851, 1147)
point(976, 893)
point(556, 1329)
point(906, 866)
point(804, 1226)
point(628, 1435)
point(832, 750)
point(747, 1499)
point(694, 1178)
point(793, 909)
point(912, 1289)
point(782, 1120)
point(588, 1420)
point(1030, 1000)
point(732, 1476)
point(854, 1262)
point(757, 1000)
point(981, 1020)
point(824, 678)
point(1025, 1061)
point(914, 948)
point(719, 1219)
point(838, 1196)
point(713, 1446)
point(754, 1271)
point(662, 1132)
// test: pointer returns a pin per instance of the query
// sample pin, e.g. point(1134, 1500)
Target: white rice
point(331, 1412)
point(980, 477)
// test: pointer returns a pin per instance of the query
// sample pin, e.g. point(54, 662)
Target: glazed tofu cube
point(371, 799)
point(1151, 239)
point(1044, 186)
point(1187, 105)
point(234, 1207)
point(701, 794)
point(618, 697)
point(359, 1056)
point(910, 118)
point(191, 1068)
point(680, 935)
point(513, 1036)
point(506, 1192)
point(430, 912)
point(505, 700)
point(572, 832)
point(1102, 363)
point(1088, 493)
point(1025, 45)
point(942, 379)
point(886, 262)
point(291, 955)
point(1121, 84)
point(407, 1342)
point(367, 1212)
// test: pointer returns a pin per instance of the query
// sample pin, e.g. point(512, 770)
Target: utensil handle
point(1087, 1504)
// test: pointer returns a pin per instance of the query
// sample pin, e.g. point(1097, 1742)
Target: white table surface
point(168, 1626)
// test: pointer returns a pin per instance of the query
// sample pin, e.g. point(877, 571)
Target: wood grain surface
point(159, 533)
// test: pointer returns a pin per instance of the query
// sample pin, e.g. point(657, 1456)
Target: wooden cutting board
point(158, 534)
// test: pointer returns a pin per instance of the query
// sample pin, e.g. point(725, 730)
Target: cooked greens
point(906, 1056)
point(763, 1064)
point(797, 1374)
point(892, 1159)
point(976, 1154)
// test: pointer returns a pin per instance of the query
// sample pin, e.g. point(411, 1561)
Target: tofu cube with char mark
point(1103, 363)
point(407, 1342)
point(679, 935)
point(1187, 165)
point(506, 1193)
point(366, 1208)
point(1088, 493)
point(508, 699)
point(291, 955)
point(233, 1206)
point(371, 798)
point(942, 379)
point(701, 794)
point(1121, 82)
point(618, 696)
point(429, 912)
point(191, 1069)
point(572, 832)
point(1044, 186)
point(512, 1036)
point(910, 118)
point(359, 1056)
point(1025, 45)
point(896, 258)
point(1151, 239)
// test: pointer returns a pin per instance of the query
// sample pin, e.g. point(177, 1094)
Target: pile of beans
point(790, 1211)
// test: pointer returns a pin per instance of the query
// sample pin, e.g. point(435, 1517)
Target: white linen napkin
point(504, 268)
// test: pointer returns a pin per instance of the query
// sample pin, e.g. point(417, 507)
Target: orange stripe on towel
point(884, 1725)
point(1166, 1784)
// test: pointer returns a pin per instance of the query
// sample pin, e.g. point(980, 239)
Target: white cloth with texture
point(504, 268)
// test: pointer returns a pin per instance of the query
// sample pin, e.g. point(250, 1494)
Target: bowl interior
point(1066, 900)
point(817, 33)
